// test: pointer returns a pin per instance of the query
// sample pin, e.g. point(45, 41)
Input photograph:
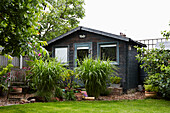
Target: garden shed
point(81, 42)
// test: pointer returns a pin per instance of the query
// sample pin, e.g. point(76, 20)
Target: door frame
point(76, 45)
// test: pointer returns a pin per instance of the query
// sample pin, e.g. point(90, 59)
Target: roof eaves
point(105, 34)
point(139, 43)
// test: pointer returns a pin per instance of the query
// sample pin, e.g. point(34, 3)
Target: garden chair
point(16, 84)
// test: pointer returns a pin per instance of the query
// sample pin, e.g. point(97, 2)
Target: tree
point(60, 16)
point(24, 23)
point(19, 26)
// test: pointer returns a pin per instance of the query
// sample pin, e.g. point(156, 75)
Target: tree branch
point(61, 16)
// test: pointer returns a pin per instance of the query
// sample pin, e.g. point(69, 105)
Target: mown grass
point(126, 106)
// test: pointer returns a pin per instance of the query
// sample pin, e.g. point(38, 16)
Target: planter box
point(115, 85)
point(115, 91)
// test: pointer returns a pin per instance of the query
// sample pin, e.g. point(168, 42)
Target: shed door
point(82, 50)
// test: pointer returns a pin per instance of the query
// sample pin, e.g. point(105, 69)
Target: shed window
point(62, 54)
point(108, 51)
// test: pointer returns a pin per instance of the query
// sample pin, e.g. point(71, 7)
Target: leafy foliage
point(4, 75)
point(60, 16)
point(46, 75)
point(19, 26)
point(59, 93)
point(166, 34)
point(94, 74)
point(23, 23)
point(150, 88)
point(168, 93)
point(115, 80)
point(70, 95)
point(155, 63)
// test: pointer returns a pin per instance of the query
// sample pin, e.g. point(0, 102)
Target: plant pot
point(115, 85)
point(150, 94)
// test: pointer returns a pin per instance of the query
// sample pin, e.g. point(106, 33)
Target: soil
point(131, 96)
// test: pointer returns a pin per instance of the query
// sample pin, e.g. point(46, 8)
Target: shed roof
point(81, 28)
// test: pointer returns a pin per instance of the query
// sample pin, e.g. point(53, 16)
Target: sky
point(138, 19)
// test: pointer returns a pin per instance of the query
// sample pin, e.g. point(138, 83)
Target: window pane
point(61, 54)
point(81, 54)
point(108, 52)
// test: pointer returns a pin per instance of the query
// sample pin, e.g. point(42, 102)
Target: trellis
point(151, 43)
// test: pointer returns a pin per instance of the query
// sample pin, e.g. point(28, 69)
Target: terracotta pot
point(150, 94)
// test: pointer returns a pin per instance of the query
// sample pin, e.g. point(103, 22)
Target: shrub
point(168, 93)
point(46, 74)
point(70, 95)
point(59, 93)
point(94, 74)
point(5, 75)
point(155, 63)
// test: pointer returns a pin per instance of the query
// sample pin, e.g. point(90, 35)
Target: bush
point(155, 63)
point(70, 95)
point(168, 93)
point(94, 74)
point(46, 74)
point(5, 75)
point(59, 93)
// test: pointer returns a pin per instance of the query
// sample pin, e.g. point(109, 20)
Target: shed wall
point(132, 69)
point(94, 38)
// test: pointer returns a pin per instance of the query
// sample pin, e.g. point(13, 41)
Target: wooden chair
point(17, 81)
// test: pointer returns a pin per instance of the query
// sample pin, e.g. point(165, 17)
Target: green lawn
point(134, 106)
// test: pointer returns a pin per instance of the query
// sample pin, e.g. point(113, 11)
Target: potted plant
point(150, 91)
point(115, 81)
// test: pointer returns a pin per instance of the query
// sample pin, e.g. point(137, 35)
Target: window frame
point(53, 55)
point(77, 45)
point(109, 43)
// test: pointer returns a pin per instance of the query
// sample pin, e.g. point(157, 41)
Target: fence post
point(20, 61)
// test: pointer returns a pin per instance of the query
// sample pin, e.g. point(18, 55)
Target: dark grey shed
point(95, 43)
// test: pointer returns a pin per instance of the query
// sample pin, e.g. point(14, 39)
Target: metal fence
point(151, 43)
